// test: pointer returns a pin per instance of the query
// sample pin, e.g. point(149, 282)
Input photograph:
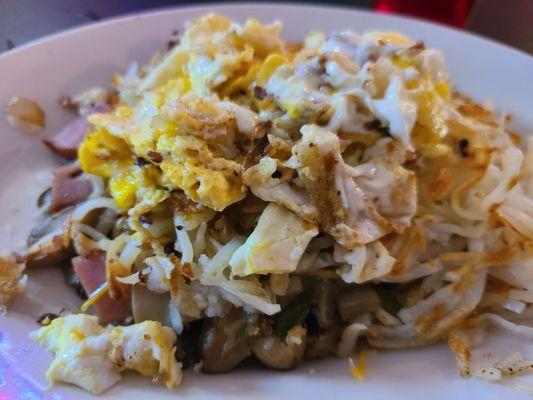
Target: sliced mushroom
point(121, 224)
point(281, 354)
point(223, 344)
point(149, 306)
point(50, 242)
point(322, 345)
point(355, 300)
point(45, 199)
point(48, 225)
point(325, 306)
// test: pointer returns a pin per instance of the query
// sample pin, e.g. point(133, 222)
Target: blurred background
point(507, 21)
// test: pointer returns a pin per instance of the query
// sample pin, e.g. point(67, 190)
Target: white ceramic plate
point(71, 61)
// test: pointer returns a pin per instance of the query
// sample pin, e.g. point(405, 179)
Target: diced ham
point(68, 190)
point(68, 140)
point(91, 273)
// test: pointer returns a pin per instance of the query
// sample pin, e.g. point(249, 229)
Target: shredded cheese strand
point(93, 298)
point(358, 371)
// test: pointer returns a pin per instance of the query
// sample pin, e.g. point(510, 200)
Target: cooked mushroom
point(45, 199)
point(223, 344)
point(148, 305)
point(281, 354)
point(353, 301)
point(322, 345)
point(48, 225)
point(49, 242)
point(325, 306)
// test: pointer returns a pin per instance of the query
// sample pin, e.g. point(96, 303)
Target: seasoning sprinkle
point(260, 93)
point(463, 147)
point(155, 156)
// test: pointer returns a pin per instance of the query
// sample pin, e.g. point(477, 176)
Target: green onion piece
point(293, 314)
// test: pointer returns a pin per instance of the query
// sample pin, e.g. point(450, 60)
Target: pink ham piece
point(91, 273)
point(68, 140)
point(67, 190)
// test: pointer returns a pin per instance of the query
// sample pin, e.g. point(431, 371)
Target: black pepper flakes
point(322, 60)
point(267, 124)
point(417, 47)
point(179, 227)
point(67, 103)
point(463, 147)
point(155, 156)
point(276, 174)
point(384, 130)
point(143, 276)
point(372, 125)
point(145, 219)
point(260, 93)
point(169, 248)
point(375, 125)
point(174, 40)
point(141, 162)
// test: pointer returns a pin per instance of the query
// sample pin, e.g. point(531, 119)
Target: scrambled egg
point(182, 144)
point(279, 232)
point(179, 124)
point(91, 356)
point(103, 154)
point(214, 49)
point(176, 118)
point(180, 127)
point(349, 79)
point(190, 165)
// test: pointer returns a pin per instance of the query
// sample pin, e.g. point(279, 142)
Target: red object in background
point(451, 12)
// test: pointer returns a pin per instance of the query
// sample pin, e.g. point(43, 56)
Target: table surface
point(24, 20)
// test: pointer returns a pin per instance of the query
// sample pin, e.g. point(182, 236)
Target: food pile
point(240, 197)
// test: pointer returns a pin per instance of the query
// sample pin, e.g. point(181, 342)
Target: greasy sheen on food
point(247, 196)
